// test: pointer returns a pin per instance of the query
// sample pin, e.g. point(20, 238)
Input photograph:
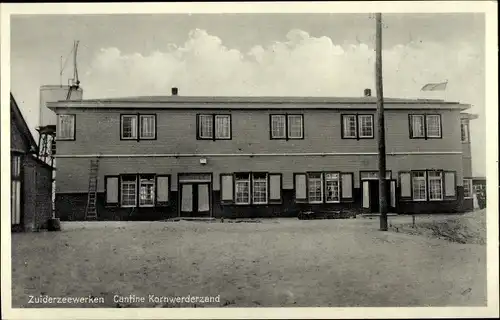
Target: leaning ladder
point(91, 211)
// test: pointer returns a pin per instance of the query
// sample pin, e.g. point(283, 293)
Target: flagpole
point(381, 125)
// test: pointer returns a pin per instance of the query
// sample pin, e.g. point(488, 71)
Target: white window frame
point(65, 131)
point(255, 180)
point(238, 180)
point(433, 176)
point(219, 135)
point(439, 134)
point(332, 177)
point(470, 185)
point(147, 180)
point(346, 126)
point(122, 193)
point(420, 179)
point(278, 131)
point(289, 126)
point(361, 125)
point(212, 126)
point(309, 184)
point(153, 127)
point(464, 128)
point(413, 126)
point(205, 119)
point(133, 132)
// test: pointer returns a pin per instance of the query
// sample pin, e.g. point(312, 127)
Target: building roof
point(268, 102)
point(17, 116)
point(470, 116)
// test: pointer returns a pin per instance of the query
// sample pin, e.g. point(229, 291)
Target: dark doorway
point(374, 195)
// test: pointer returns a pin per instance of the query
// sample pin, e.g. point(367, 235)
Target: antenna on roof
point(74, 83)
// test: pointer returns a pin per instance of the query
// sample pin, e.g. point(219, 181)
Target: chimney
point(368, 92)
point(175, 91)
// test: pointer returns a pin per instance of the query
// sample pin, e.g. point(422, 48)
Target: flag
point(435, 86)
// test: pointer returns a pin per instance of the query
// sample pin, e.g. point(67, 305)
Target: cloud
point(299, 65)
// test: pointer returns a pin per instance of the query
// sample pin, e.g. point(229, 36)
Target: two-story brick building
point(162, 157)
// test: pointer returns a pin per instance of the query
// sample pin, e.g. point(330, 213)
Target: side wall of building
point(37, 187)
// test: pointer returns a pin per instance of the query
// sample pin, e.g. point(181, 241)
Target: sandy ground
point(286, 262)
point(462, 228)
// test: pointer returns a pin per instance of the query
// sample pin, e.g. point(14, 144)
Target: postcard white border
point(491, 41)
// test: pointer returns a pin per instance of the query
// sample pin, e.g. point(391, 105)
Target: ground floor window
point(427, 185)
point(315, 187)
point(259, 188)
point(468, 188)
point(128, 191)
point(332, 184)
point(242, 186)
point(147, 191)
point(435, 185)
point(419, 186)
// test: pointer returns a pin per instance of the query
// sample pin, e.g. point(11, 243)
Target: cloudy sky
point(252, 54)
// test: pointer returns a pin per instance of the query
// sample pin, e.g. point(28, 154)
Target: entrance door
point(374, 194)
point(195, 199)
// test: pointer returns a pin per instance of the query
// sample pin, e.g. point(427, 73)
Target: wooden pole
point(381, 126)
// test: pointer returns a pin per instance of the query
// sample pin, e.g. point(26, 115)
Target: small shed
point(31, 178)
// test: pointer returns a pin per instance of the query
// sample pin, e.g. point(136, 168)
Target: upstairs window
point(214, 127)
point(148, 126)
point(278, 126)
point(130, 130)
point(65, 127)
point(357, 126)
point(464, 130)
point(129, 127)
point(425, 126)
point(365, 126)
point(349, 126)
point(433, 126)
point(295, 126)
point(287, 126)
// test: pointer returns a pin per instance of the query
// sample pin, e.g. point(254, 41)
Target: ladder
point(91, 211)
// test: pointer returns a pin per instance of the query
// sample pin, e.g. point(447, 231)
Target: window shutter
point(162, 189)
point(393, 193)
point(275, 187)
point(227, 187)
point(347, 186)
point(300, 187)
point(111, 190)
point(449, 184)
point(405, 184)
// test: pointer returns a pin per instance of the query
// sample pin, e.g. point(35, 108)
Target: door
point(374, 194)
point(195, 199)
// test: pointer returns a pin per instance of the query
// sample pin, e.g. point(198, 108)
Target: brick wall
point(37, 194)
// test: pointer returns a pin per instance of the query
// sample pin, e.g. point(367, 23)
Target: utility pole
point(381, 125)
